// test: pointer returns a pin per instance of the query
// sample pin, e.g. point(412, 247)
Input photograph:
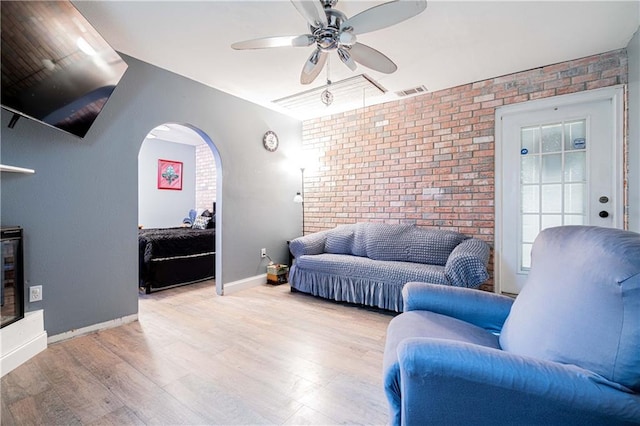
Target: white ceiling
point(451, 43)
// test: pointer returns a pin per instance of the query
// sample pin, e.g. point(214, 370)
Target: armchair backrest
point(581, 303)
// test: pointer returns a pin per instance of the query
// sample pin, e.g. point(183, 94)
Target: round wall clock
point(270, 141)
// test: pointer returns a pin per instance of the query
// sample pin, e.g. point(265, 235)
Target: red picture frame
point(170, 175)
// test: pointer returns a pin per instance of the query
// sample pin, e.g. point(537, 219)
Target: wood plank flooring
point(260, 356)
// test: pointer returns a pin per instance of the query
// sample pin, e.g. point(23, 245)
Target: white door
point(558, 162)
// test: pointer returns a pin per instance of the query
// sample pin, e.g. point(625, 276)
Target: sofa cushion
point(408, 243)
point(581, 303)
point(433, 246)
point(388, 242)
point(340, 240)
point(360, 238)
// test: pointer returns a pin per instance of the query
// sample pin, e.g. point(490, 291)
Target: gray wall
point(79, 210)
point(162, 208)
point(633, 52)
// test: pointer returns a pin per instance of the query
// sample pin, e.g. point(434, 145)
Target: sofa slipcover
point(369, 263)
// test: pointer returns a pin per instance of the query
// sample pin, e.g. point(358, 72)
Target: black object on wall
point(56, 68)
point(12, 290)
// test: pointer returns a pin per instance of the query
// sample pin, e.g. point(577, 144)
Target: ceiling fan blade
point(371, 58)
point(313, 66)
point(347, 59)
point(278, 41)
point(312, 11)
point(384, 15)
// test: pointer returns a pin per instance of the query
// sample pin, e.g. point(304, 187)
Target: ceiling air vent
point(412, 91)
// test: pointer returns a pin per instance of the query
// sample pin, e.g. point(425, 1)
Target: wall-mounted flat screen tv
point(56, 68)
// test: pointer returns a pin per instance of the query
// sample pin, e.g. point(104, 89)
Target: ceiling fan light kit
point(331, 30)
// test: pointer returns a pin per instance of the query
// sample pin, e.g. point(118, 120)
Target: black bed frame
point(174, 271)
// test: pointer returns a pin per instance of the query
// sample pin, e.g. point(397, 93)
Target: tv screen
point(56, 68)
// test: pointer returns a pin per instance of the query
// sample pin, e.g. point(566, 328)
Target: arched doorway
point(168, 199)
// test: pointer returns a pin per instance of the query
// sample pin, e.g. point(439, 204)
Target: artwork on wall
point(170, 175)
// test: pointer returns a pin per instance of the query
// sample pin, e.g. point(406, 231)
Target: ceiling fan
point(330, 30)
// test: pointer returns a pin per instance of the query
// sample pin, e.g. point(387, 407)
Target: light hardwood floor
point(260, 356)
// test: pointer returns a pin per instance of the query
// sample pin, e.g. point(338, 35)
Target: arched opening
point(179, 208)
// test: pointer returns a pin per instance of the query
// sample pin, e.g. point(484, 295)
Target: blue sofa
point(369, 263)
point(565, 352)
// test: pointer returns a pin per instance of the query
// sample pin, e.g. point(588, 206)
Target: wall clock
point(270, 141)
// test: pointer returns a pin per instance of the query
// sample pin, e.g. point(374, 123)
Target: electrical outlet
point(263, 253)
point(35, 293)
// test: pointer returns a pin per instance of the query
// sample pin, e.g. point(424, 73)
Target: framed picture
point(170, 175)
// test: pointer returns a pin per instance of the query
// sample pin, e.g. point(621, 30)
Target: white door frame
point(614, 93)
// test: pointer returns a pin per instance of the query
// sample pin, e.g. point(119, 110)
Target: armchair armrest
point(447, 382)
point(481, 308)
point(308, 244)
point(467, 264)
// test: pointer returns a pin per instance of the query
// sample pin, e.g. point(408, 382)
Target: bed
point(170, 257)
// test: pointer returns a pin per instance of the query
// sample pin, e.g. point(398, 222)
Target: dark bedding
point(172, 256)
point(170, 242)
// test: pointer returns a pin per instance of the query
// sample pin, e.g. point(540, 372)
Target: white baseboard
point(22, 340)
point(244, 284)
point(91, 328)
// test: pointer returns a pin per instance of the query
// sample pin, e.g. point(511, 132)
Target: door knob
point(603, 199)
point(603, 214)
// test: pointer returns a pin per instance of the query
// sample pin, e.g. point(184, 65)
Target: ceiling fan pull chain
point(326, 96)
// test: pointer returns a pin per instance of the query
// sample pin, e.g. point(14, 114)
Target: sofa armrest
point(467, 263)
point(481, 308)
point(447, 382)
point(308, 244)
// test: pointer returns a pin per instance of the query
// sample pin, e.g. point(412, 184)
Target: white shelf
point(14, 169)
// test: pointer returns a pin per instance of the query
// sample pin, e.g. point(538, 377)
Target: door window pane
point(552, 168)
point(551, 220)
point(530, 199)
point(530, 227)
point(575, 135)
point(526, 256)
point(530, 140)
point(552, 198)
point(552, 138)
point(530, 169)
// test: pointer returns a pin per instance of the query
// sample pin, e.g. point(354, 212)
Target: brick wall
point(429, 159)
point(206, 175)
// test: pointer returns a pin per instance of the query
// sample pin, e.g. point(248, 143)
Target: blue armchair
point(566, 351)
